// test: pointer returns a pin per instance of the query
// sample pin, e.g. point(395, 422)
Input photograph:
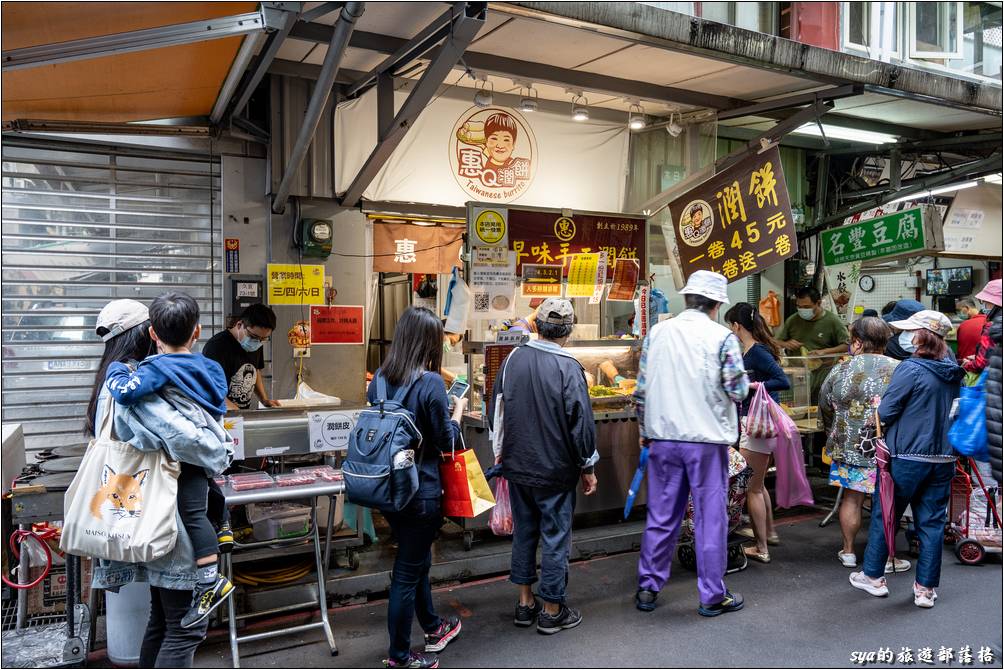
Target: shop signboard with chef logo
point(738, 222)
point(493, 154)
point(539, 237)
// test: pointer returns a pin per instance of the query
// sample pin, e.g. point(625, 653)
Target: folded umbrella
point(636, 481)
point(887, 490)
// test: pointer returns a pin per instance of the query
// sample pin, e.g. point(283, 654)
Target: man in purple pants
point(691, 378)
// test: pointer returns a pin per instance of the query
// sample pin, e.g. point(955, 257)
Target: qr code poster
point(493, 284)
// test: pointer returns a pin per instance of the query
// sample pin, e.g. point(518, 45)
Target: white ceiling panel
point(653, 65)
point(294, 50)
point(921, 115)
point(329, 18)
point(542, 42)
point(400, 19)
point(749, 83)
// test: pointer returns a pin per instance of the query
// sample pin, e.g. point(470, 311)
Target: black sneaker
point(645, 600)
point(415, 660)
point(527, 616)
point(225, 538)
point(732, 602)
point(449, 629)
point(206, 599)
point(565, 618)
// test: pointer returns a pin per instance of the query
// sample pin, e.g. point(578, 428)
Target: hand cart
point(974, 529)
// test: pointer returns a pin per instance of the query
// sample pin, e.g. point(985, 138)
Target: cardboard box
point(49, 597)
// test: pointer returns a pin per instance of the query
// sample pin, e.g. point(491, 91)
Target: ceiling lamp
point(673, 128)
point(842, 133)
point(579, 110)
point(483, 97)
point(529, 102)
point(951, 188)
point(636, 118)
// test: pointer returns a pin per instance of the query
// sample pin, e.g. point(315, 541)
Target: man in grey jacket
point(549, 446)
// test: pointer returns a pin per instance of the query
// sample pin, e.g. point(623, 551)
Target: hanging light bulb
point(483, 97)
point(673, 128)
point(579, 110)
point(529, 102)
point(636, 118)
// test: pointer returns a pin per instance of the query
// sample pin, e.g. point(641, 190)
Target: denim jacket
point(172, 421)
point(147, 426)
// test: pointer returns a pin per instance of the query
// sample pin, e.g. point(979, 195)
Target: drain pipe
point(322, 91)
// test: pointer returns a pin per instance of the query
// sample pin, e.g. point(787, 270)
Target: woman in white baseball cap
point(915, 412)
point(124, 326)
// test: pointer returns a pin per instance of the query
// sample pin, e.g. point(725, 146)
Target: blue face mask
point(250, 344)
point(906, 341)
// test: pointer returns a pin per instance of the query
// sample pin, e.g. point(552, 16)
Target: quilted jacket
point(993, 389)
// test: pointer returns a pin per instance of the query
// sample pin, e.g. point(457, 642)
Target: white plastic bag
point(458, 304)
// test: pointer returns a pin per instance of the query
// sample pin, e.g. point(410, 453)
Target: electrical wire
point(283, 575)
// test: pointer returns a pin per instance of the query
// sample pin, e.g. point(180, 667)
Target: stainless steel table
point(285, 494)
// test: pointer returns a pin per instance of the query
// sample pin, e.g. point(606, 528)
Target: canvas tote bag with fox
point(121, 504)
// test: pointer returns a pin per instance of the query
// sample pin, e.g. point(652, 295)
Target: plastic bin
point(127, 614)
point(278, 521)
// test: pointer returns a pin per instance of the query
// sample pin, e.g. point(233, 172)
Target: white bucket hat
point(118, 316)
point(709, 284)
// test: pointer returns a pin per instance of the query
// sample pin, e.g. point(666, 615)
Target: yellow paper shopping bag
point(465, 489)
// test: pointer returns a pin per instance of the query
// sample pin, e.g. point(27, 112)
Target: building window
point(871, 27)
point(935, 29)
point(757, 16)
point(981, 40)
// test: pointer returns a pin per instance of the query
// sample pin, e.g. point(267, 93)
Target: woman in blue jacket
point(761, 358)
point(412, 366)
point(915, 414)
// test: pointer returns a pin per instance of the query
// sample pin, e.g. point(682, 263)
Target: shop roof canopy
point(182, 80)
point(615, 54)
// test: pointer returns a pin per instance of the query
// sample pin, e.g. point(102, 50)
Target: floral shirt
point(846, 404)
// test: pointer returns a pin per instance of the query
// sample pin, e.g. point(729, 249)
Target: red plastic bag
point(501, 518)
point(791, 485)
point(760, 423)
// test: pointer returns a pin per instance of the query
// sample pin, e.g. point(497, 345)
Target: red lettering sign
point(337, 324)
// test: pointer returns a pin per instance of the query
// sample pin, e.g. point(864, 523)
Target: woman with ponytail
point(761, 358)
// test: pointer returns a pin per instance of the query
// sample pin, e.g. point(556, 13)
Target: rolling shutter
point(82, 227)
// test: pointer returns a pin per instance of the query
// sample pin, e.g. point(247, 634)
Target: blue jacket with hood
point(916, 406)
point(174, 402)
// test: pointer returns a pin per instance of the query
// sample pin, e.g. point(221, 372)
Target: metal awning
point(168, 59)
point(621, 53)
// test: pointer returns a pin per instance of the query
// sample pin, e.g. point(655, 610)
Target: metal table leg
point(232, 612)
point(23, 577)
point(833, 512)
point(322, 595)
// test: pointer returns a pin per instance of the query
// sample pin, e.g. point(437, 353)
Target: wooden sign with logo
point(738, 222)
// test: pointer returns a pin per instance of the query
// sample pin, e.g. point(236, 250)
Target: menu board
point(495, 355)
point(738, 222)
point(625, 280)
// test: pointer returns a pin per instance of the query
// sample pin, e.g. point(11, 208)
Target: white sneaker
point(847, 560)
point(902, 565)
point(923, 596)
point(860, 580)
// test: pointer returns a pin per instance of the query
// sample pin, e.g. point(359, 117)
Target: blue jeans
point(541, 516)
point(925, 487)
point(415, 528)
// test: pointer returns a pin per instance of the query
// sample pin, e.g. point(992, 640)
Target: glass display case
point(804, 373)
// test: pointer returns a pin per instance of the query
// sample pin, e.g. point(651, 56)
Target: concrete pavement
point(800, 612)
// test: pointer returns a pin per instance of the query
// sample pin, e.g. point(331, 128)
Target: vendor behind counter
point(816, 330)
point(239, 351)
